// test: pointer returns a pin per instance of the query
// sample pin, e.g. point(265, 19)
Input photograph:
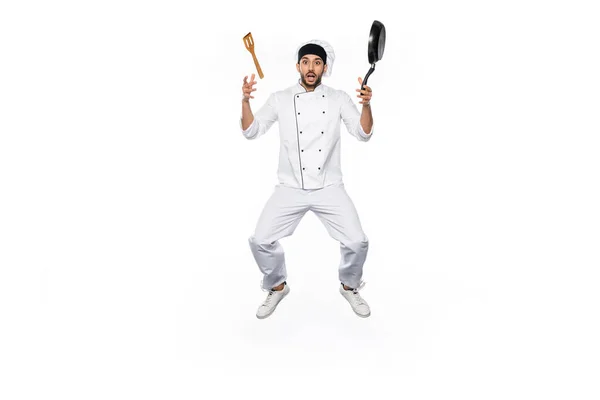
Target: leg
point(336, 210)
point(279, 218)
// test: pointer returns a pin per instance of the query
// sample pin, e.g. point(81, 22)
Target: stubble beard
point(314, 85)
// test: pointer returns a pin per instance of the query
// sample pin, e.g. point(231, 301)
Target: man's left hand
point(364, 94)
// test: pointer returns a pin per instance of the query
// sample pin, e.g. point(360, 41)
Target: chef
point(309, 115)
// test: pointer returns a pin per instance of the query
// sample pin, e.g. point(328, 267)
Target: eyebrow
point(306, 58)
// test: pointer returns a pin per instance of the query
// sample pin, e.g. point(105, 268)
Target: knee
point(358, 245)
point(258, 241)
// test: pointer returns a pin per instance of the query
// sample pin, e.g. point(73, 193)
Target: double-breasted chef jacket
point(309, 130)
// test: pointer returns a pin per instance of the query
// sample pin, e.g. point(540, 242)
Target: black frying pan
point(376, 47)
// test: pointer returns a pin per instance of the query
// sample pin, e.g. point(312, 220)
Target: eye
point(318, 62)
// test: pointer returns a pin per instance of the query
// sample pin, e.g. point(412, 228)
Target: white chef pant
point(280, 217)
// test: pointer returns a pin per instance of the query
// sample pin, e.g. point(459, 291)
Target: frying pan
point(375, 47)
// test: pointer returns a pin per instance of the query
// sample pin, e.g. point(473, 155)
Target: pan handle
point(367, 76)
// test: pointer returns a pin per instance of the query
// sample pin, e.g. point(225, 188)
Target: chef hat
point(328, 50)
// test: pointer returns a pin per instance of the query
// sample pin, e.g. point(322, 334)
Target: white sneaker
point(270, 303)
point(359, 305)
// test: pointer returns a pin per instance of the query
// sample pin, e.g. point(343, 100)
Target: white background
point(128, 193)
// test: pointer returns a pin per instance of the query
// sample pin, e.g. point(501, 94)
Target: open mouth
point(310, 76)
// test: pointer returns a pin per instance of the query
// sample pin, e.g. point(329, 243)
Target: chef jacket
point(309, 132)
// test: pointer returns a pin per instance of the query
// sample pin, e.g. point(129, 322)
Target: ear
point(325, 68)
point(298, 67)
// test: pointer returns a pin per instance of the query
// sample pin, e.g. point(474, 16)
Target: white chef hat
point(328, 50)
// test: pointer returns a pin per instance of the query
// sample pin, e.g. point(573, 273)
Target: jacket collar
point(301, 88)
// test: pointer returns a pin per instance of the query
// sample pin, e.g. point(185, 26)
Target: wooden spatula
point(249, 42)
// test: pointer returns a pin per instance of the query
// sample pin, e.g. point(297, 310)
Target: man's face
point(311, 70)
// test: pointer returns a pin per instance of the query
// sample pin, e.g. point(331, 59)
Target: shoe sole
point(274, 308)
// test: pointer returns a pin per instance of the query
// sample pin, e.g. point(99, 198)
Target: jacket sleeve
point(264, 118)
point(351, 117)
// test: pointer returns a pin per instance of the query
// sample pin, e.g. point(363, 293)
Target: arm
point(247, 116)
point(265, 117)
point(359, 125)
point(254, 126)
point(354, 120)
point(366, 118)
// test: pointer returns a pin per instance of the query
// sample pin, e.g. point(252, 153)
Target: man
point(310, 178)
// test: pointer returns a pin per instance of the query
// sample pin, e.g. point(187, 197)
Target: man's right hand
point(247, 88)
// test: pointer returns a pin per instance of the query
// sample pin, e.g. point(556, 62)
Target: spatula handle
point(260, 73)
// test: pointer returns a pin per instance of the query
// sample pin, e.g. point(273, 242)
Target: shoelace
point(356, 298)
point(267, 301)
